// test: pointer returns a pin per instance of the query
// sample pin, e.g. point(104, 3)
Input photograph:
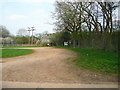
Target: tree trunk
point(78, 43)
point(74, 43)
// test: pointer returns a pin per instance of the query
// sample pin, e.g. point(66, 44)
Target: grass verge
point(5, 53)
point(97, 60)
point(23, 46)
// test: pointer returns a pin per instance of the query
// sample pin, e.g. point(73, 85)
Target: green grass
point(5, 53)
point(22, 46)
point(97, 60)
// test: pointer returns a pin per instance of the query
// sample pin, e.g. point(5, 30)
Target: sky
point(17, 14)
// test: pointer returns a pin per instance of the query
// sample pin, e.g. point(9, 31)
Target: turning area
point(50, 67)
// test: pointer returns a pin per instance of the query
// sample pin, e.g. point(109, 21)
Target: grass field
point(5, 53)
point(22, 46)
point(97, 60)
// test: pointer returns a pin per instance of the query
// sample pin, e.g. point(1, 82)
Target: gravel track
point(49, 65)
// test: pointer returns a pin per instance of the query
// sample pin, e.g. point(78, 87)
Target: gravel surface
point(49, 65)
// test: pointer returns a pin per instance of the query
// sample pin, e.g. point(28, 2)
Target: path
point(50, 67)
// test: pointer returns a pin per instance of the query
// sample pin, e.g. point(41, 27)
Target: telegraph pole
point(32, 29)
point(29, 35)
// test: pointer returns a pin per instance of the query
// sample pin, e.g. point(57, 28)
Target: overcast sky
point(18, 14)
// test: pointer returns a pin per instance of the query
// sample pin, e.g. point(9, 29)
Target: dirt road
point(52, 66)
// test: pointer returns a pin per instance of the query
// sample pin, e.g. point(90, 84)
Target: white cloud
point(16, 17)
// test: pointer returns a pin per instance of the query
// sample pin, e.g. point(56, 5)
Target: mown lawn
point(22, 46)
point(97, 60)
point(5, 53)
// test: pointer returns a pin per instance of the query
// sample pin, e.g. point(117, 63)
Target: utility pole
point(32, 29)
point(29, 35)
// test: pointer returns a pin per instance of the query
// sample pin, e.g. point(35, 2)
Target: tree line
point(90, 24)
point(81, 24)
point(23, 37)
point(7, 39)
